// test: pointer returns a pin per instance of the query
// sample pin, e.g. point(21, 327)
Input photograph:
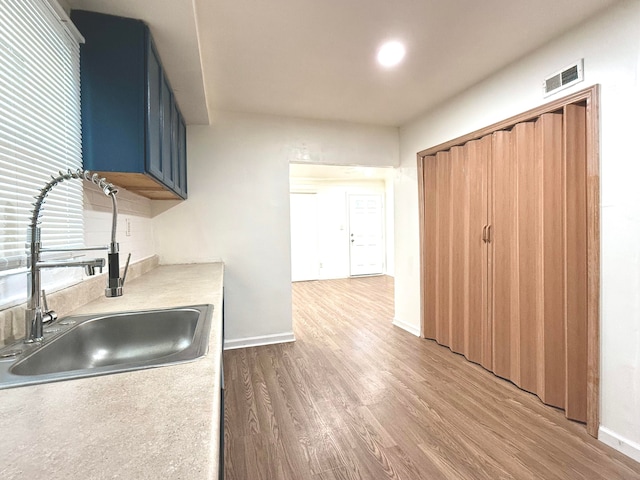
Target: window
point(40, 131)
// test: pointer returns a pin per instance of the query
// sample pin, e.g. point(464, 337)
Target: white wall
point(134, 231)
point(333, 220)
point(610, 46)
point(238, 207)
point(339, 143)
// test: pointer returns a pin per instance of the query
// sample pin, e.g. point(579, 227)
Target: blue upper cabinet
point(132, 129)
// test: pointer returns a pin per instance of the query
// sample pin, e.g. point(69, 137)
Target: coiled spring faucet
point(35, 315)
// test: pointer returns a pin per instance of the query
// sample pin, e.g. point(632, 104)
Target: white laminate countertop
point(159, 423)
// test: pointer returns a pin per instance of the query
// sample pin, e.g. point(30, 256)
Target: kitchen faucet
point(35, 315)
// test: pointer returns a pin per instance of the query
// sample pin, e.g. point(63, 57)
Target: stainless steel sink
point(89, 345)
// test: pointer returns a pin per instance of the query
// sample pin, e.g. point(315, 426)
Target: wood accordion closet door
point(505, 255)
point(456, 196)
point(539, 258)
point(528, 274)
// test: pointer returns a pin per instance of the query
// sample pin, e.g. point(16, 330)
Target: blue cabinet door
point(154, 120)
point(167, 107)
point(112, 75)
point(174, 148)
point(182, 158)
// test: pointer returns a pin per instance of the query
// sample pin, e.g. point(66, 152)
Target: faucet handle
point(48, 316)
point(126, 269)
point(44, 301)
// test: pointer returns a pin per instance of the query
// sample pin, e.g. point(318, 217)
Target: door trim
point(591, 97)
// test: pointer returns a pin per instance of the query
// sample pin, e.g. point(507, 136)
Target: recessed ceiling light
point(391, 54)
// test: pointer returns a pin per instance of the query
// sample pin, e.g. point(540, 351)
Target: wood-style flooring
point(357, 398)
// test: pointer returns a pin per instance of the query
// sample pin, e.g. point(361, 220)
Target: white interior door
point(305, 264)
point(365, 234)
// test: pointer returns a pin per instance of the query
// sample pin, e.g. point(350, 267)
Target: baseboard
point(629, 448)
point(233, 343)
point(412, 329)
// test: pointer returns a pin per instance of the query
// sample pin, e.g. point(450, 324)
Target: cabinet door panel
point(154, 125)
point(113, 92)
point(182, 159)
point(174, 147)
point(166, 106)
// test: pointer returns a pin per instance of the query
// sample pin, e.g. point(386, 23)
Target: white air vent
point(566, 77)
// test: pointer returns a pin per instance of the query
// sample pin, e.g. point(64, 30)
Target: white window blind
point(40, 131)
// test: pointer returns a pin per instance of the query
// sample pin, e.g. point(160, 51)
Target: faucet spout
point(91, 263)
point(90, 270)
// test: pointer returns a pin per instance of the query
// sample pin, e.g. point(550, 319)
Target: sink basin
point(89, 345)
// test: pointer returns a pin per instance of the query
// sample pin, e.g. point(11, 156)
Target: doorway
point(328, 204)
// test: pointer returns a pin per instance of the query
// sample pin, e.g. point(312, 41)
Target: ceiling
point(316, 58)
